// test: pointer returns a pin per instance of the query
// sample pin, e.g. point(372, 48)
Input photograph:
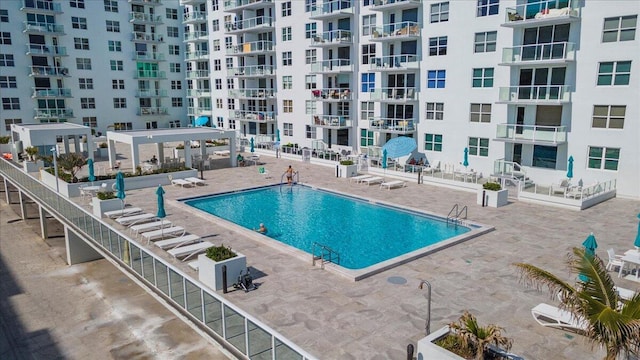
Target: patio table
point(632, 257)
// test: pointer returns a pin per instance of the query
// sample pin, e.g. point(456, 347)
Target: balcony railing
point(404, 29)
point(395, 62)
point(332, 94)
point(38, 49)
point(258, 116)
point(148, 56)
point(198, 92)
point(382, 5)
point(53, 113)
point(194, 16)
point(251, 70)
point(331, 66)
point(151, 93)
point(331, 8)
point(34, 27)
point(542, 11)
point(140, 17)
point(536, 94)
point(393, 125)
point(551, 52)
point(252, 93)
point(250, 47)
point(235, 4)
point(50, 93)
point(197, 55)
point(142, 36)
point(195, 111)
point(146, 2)
point(196, 35)
point(48, 6)
point(532, 134)
point(152, 111)
point(333, 37)
point(48, 71)
point(257, 22)
point(394, 94)
point(331, 121)
point(193, 74)
point(150, 74)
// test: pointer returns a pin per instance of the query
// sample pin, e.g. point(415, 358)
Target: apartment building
point(516, 83)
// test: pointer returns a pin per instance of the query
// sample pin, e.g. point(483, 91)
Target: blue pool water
point(362, 233)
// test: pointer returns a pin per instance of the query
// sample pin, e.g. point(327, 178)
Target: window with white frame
point(8, 82)
point(114, 45)
point(367, 110)
point(286, 33)
point(436, 79)
point(117, 84)
point(230, 84)
point(215, 25)
point(435, 111)
point(368, 24)
point(216, 45)
point(310, 82)
point(287, 106)
point(218, 84)
point(286, 8)
point(614, 73)
point(478, 146)
point(90, 121)
point(366, 137)
point(116, 65)
point(438, 46)
point(604, 158)
point(432, 142)
point(81, 43)
point(368, 53)
point(216, 65)
point(368, 82)
point(482, 78)
point(310, 56)
point(111, 6)
point(480, 113)
point(608, 116)
point(79, 23)
point(215, 5)
point(174, 123)
point(220, 122)
point(485, 41)
point(310, 132)
point(620, 28)
point(488, 7)
point(229, 63)
point(439, 12)
point(344, 108)
point(310, 107)
point(119, 103)
point(152, 124)
point(87, 103)
point(287, 129)
point(83, 64)
point(4, 15)
point(76, 4)
point(5, 38)
point(287, 59)
point(310, 5)
point(7, 60)
point(176, 102)
point(123, 125)
point(175, 67)
point(173, 31)
point(219, 104)
point(113, 26)
point(310, 30)
point(174, 49)
point(176, 85)
point(8, 122)
point(232, 124)
point(287, 82)
point(231, 104)
point(171, 14)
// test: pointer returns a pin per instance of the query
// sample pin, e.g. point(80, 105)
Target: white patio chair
point(614, 260)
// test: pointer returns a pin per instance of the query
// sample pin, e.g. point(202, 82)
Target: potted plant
point(492, 195)
point(33, 164)
point(347, 168)
point(210, 266)
point(105, 201)
point(103, 150)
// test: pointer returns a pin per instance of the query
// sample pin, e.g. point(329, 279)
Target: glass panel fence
point(259, 342)
point(177, 287)
point(234, 329)
point(285, 352)
point(136, 259)
point(162, 280)
point(147, 267)
point(212, 313)
point(194, 299)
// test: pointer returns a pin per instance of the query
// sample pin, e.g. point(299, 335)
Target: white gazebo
point(160, 136)
point(44, 137)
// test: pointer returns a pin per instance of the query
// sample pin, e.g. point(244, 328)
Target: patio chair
point(614, 260)
point(373, 180)
point(123, 212)
point(186, 252)
point(551, 316)
point(359, 178)
point(180, 182)
point(560, 188)
point(178, 242)
point(264, 172)
point(195, 181)
point(431, 168)
point(148, 226)
point(161, 233)
point(129, 220)
point(393, 184)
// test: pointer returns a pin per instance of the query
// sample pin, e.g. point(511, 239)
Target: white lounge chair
point(393, 184)
point(140, 228)
point(186, 252)
point(614, 260)
point(177, 242)
point(128, 220)
point(161, 233)
point(180, 182)
point(124, 212)
point(551, 316)
point(373, 180)
point(359, 178)
point(431, 168)
point(195, 181)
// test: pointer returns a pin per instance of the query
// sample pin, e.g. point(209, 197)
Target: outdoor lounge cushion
point(195, 181)
point(128, 220)
point(157, 234)
point(392, 184)
point(373, 180)
point(551, 316)
point(140, 228)
point(359, 178)
point(177, 242)
point(188, 251)
point(126, 211)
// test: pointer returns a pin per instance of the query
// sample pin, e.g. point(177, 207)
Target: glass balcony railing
point(536, 94)
point(394, 125)
point(197, 55)
point(235, 4)
point(332, 94)
point(332, 37)
point(142, 36)
point(35, 27)
point(248, 24)
point(152, 111)
point(535, 134)
point(147, 93)
point(39, 49)
point(333, 65)
point(251, 47)
point(333, 7)
point(193, 74)
point(195, 111)
point(542, 10)
point(380, 5)
point(558, 51)
point(195, 16)
point(396, 62)
point(196, 35)
point(150, 74)
point(148, 56)
point(48, 71)
point(53, 113)
point(394, 94)
point(258, 116)
point(50, 93)
point(331, 121)
point(144, 18)
point(48, 6)
point(146, 2)
point(252, 93)
point(198, 92)
point(251, 70)
point(396, 30)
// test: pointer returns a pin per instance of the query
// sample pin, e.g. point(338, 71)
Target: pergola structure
point(160, 136)
point(44, 136)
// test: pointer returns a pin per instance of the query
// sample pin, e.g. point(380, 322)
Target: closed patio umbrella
point(119, 186)
point(637, 242)
point(161, 214)
point(251, 143)
point(590, 244)
point(465, 161)
point(384, 160)
point(92, 176)
point(570, 168)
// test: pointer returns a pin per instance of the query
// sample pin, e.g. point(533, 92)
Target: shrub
point(346, 162)
point(103, 145)
point(106, 195)
point(180, 146)
point(32, 151)
point(220, 253)
point(5, 139)
point(492, 186)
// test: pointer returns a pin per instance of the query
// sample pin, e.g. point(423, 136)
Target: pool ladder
point(456, 217)
point(324, 254)
point(294, 179)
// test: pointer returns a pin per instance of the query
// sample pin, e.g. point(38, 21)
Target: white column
point(232, 149)
point(160, 148)
point(135, 156)
point(187, 154)
point(112, 153)
point(43, 222)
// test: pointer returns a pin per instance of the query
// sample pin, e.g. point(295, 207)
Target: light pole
point(427, 327)
point(55, 166)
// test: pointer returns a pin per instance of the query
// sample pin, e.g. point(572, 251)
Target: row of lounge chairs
point(372, 179)
point(190, 181)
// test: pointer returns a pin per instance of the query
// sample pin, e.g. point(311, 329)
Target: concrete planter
point(493, 198)
point(210, 272)
point(102, 206)
point(32, 166)
point(102, 152)
point(347, 171)
point(427, 349)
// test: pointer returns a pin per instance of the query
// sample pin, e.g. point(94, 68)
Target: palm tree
point(71, 163)
point(478, 338)
point(611, 323)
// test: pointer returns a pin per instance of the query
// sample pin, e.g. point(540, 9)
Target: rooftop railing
point(558, 51)
point(536, 134)
point(536, 94)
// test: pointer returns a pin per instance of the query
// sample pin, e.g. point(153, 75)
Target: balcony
point(394, 94)
point(53, 113)
point(333, 9)
point(251, 71)
point(40, 50)
point(194, 17)
point(196, 36)
point(552, 53)
point(257, 116)
point(48, 71)
point(252, 93)
point(392, 125)
point(332, 94)
point(386, 5)
point(535, 94)
point(332, 38)
point(148, 56)
point(197, 55)
point(542, 13)
point(151, 93)
point(142, 18)
point(198, 74)
point(255, 24)
point(236, 5)
point(50, 93)
point(146, 2)
point(199, 92)
point(142, 36)
point(334, 66)
point(44, 7)
point(149, 74)
point(395, 63)
point(251, 48)
point(331, 121)
point(42, 28)
point(152, 111)
point(531, 134)
point(197, 111)
point(396, 31)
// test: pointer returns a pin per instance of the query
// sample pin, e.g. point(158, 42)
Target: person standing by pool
point(289, 172)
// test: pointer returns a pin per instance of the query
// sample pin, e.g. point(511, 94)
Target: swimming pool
point(363, 233)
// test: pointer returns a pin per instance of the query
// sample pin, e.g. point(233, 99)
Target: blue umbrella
point(590, 245)
point(161, 213)
point(570, 168)
point(637, 242)
point(92, 176)
point(119, 186)
point(278, 135)
point(465, 162)
point(252, 149)
point(400, 146)
point(201, 121)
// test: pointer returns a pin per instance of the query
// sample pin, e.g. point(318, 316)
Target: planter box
point(31, 166)
point(210, 272)
point(102, 206)
point(102, 152)
point(347, 171)
point(427, 349)
point(493, 198)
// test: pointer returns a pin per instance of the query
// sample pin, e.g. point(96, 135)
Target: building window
point(219, 104)
point(439, 12)
point(432, 142)
point(215, 6)
point(482, 78)
point(310, 30)
point(215, 25)
point(620, 28)
point(217, 66)
point(174, 123)
point(368, 24)
point(176, 102)
point(11, 103)
point(344, 108)
point(220, 121)
point(115, 45)
point(81, 43)
point(216, 45)
point(287, 82)
point(173, 31)
point(85, 83)
point(544, 156)
point(310, 82)
point(123, 126)
point(119, 103)
point(310, 107)
point(488, 7)
point(608, 116)
point(218, 84)
point(8, 122)
point(366, 137)
point(230, 84)
point(171, 13)
point(87, 103)
point(111, 6)
point(176, 85)
point(485, 41)
point(310, 5)
point(79, 23)
point(478, 146)
point(287, 106)
point(287, 129)
point(310, 131)
point(113, 26)
point(8, 82)
point(368, 82)
point(4, 15)
point(6, 60)
point(368, 53)
point(438, 46)
point(310, 56)
point(287, 58)
point(76, 4)
point(117, 84)
point(116, 65)
point(174, 49)
point(436, 79)
point(83, 64)
point(435, 111)
point(286, 8)
point(367, 110)
point(90, 121)
point(480, 113)
point(286, 33)
point(614, 73)
point(5, 38)
point(175, 67)
point(603, 158)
